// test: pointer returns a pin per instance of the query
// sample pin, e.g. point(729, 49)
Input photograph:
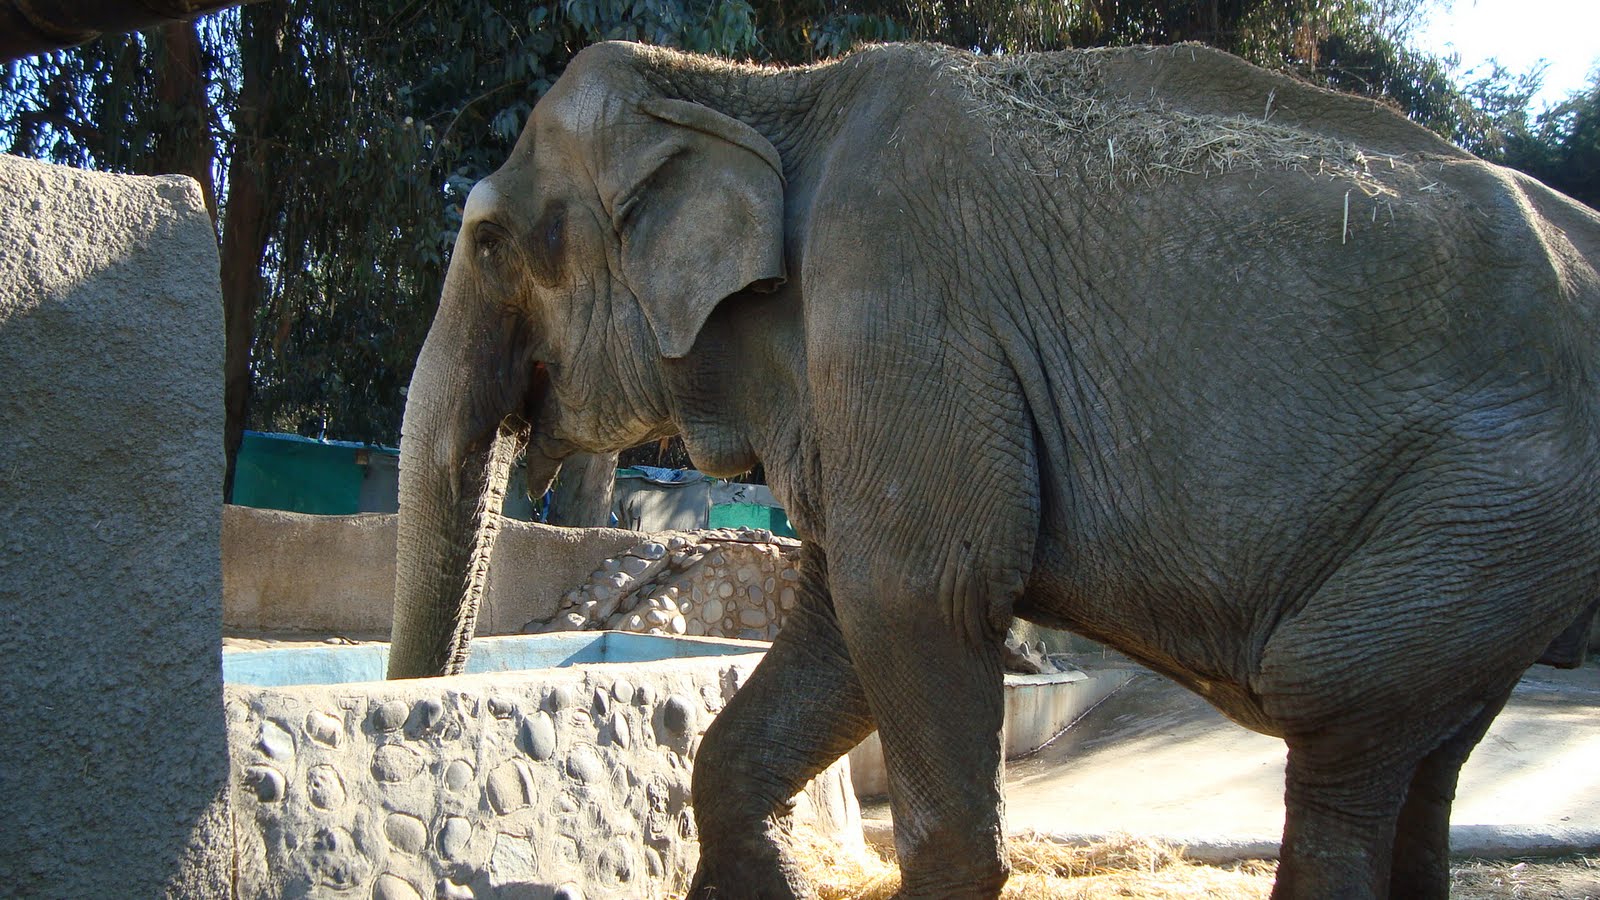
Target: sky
point(1519, 33)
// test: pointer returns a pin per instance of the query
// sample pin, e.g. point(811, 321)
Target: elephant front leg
point(802, 708)
point(937, 693)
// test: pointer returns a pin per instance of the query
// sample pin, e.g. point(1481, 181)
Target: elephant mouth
point(538, 389)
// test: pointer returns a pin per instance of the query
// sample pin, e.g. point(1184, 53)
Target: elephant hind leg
point(802, 708)
point(1421, 867)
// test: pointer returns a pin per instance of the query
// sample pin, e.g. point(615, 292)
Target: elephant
point(1265, 386)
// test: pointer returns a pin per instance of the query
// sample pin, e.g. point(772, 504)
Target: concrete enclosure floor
point(1156, 760)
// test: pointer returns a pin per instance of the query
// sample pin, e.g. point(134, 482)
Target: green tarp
point(286, 471)
point(751, 515)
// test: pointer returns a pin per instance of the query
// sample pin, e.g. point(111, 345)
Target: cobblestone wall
point(569, 782)
point(723, 583)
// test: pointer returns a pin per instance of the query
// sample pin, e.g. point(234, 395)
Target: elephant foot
point(758, 870)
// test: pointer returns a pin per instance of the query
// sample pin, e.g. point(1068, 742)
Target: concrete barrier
point(113, 758)
point(1038, 707)
point(285, 571)
point(508, 784)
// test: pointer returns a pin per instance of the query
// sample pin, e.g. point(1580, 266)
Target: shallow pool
point(368, 662)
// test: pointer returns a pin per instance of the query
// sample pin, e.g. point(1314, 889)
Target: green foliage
point(1562, 146)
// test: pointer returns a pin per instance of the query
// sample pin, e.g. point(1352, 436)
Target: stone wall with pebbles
point(723, 583)
point(555, 783)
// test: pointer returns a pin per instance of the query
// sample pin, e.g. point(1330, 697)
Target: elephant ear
point(698, 204)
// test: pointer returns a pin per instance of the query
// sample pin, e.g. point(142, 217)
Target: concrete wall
point(514, 784)
point(1038, 708)
point(113, 755)
point(285, 571)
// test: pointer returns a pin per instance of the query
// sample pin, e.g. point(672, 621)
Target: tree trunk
point(253, 199)
point(186, 148)
point(582, 497)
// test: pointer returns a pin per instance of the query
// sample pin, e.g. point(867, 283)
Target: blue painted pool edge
point(284, 666)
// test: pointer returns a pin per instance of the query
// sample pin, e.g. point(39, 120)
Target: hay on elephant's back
point(1059, 105)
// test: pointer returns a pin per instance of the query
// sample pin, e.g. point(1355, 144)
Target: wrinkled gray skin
point(1333, 470)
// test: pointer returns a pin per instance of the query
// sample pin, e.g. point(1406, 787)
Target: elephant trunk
point(467, 416)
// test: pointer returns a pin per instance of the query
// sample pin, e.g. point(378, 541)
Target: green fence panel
point(751, 515)
point(298, 474)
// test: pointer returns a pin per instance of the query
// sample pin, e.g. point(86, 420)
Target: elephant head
point(623, 217)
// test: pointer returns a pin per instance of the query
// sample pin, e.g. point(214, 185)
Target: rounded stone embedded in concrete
point(584, 764)
point(406, 833)
point(563, 697)
point(336, 859)
point(395, 763)
point(622, 691)
point(539, 735)
point(267, 783)
point(449, 890)
point(275, 742)
point(620, 731)
point(602, 701)
point(615, 865)
point(325, 787)
point(502, 707)
point(425, 717)
point(645, 695)
point(458, 775)
point(753, 617)
point(711, 610)
point(507, 789)
point(324, 729)
point(454, 835)
point(724, 590)
point(389, 716)
point(393, 887)
point(677, 714)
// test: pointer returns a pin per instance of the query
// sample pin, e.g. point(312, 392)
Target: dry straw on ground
point(1123, 867)
point(1133, 868)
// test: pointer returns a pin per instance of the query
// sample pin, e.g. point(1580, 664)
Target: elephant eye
point(488, 237)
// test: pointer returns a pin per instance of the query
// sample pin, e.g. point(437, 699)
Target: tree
point(1561, 147)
